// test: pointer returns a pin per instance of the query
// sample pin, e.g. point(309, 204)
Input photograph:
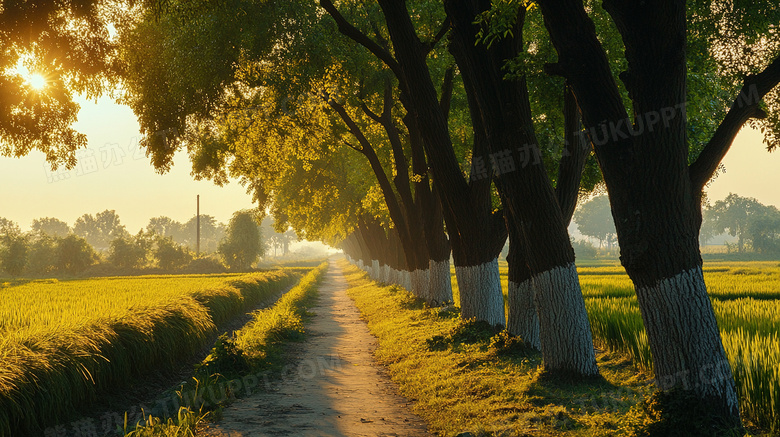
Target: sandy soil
point(335, 387)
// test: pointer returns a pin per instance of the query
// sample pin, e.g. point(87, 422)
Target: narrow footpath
point(334, 387)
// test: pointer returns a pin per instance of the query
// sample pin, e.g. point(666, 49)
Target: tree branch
point(353, 147)
point(393, 206)
point(359, 37)
point(575, 153)
point(371, 114)
point(446, 92)
point(445, 27)
point(744, 107)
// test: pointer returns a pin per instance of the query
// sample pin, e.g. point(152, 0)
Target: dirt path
point(334, 389)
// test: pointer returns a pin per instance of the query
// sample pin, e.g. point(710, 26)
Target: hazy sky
point(113, 173)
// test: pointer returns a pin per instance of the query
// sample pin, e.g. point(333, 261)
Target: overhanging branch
point(350, 31)
point(744, 107)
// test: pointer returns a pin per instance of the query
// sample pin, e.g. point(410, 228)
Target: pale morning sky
point(114, 174)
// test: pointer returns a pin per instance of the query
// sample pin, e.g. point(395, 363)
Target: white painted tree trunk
point(480, 293)
point(420, 283)
point(440, 287)
point(684, 337)
point(406, 280)
point(566, 340)
point(374, 269)
point(522, 319)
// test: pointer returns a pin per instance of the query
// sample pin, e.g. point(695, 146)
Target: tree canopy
point(594, 219)
point(50, 50)
point(745, 218)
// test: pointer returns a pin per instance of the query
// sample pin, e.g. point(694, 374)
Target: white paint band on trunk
point(374, 269)
point(684, 337)
point(440, 288)
point(480, 293)
point(420, 283)
point(522, 319)
point(564, 329)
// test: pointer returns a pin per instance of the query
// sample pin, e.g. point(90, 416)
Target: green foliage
point(13, 254)
point(467, 332)
point(746, 218)
point(129, 252)
point(68, 44)
point(205, 264)
point(211, 231)
point(583, 249)
point(184, 425)
point(594, 219)
point(50, 226)
point(242, 245)
point(505, 344)
point(171, 256)
point(101, 229)
point(9, 228)
point(226, 358)
point(74, 254)
point(42, 258)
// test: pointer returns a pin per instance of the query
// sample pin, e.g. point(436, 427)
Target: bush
point(127, 252)
point(171, 256)
point(74, 254)
point(583, 249)
point(205, 265)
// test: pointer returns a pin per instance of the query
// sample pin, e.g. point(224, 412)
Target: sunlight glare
point(37, 81)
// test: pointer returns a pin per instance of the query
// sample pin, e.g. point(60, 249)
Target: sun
point(37, 81)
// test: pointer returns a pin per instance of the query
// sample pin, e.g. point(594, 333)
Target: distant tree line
point(755, 225)
point(102, 243)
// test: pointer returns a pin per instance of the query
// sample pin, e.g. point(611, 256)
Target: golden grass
point(64, 342)
point(488, 385)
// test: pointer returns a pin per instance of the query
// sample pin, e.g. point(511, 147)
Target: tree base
point(681, 413)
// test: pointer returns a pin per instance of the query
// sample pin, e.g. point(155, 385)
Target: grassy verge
point(237, 365)
point(49, 372)
point(464, 377)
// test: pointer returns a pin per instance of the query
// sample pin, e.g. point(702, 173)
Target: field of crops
point(63, 343)
point(746, 299)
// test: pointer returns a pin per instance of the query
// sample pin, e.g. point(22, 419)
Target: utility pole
point(197, 225)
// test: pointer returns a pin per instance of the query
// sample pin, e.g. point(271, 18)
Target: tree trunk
point(654, 198)
point(440, 281)
point(562, 317)
point(467, 208)
point(522, 320)
point(480, 302)
point(502, 108)
point(678, 311)
point(429, 205)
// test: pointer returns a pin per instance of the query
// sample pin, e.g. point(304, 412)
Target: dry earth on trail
point(335, 387)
